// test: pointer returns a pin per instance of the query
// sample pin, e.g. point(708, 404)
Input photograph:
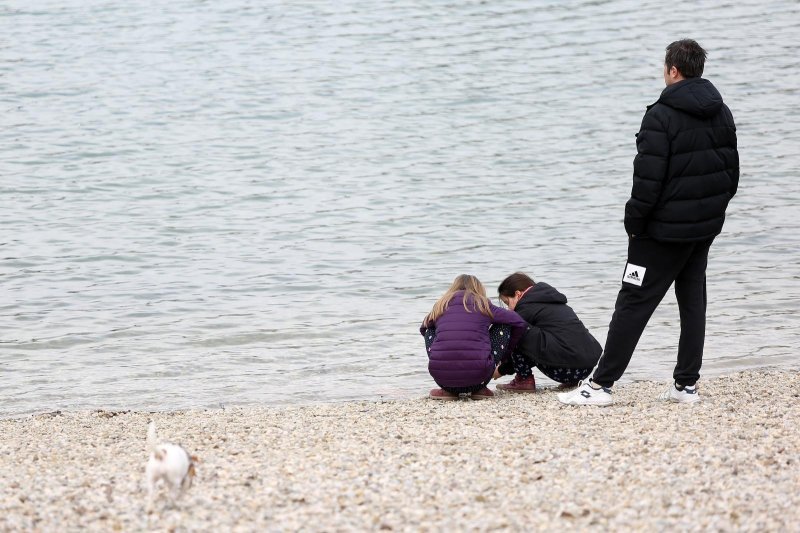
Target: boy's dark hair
point(513, 283)
point(687, 56)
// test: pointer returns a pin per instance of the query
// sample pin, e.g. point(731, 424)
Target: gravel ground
point(514, 462)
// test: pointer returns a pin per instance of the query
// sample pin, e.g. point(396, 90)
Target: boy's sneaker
point(483, 394)
point(519, 384)
point(680, 394)
point(586, 394)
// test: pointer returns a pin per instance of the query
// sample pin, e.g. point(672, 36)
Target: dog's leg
point(151, 493)
point(151, 479)
point(174, 492)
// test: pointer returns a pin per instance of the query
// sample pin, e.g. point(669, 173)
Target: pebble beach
point(515, 462)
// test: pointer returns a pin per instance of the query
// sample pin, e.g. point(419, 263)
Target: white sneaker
point(585, 394)
point(682, 395)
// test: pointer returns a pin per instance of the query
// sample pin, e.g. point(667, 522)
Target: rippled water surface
point(217, 203)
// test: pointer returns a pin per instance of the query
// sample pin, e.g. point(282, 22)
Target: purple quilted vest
point(461, 353)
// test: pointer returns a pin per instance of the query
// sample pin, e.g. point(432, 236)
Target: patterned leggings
point(567, 376)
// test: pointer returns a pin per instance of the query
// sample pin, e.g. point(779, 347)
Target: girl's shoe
point(441, 394)
point(519, 384)
point(483, 394)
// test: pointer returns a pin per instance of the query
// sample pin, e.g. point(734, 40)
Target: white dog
point(169, 463)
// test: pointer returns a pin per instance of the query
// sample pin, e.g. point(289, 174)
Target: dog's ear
point(158, 455)
point(194, 458)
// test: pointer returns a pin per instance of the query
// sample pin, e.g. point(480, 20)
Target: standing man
point(684, 174)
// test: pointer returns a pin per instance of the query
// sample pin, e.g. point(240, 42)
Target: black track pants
point(652, 267)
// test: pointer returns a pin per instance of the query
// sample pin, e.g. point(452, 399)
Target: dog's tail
point(152, 439)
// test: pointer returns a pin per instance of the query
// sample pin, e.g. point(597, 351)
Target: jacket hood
point(696, 96)
point(542, 293)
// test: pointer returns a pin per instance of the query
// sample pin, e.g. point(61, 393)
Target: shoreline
point(513, 462)
point(543, 384)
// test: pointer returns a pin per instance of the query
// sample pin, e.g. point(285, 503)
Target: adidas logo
point(634, 274)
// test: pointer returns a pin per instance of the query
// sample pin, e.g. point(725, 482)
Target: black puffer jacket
point(556, 337)
point(687, 166)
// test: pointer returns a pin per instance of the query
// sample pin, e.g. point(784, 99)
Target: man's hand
point(497, 373)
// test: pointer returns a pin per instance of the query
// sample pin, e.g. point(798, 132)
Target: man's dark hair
point(687, 56)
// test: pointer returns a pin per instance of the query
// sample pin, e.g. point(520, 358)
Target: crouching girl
point(461, 357)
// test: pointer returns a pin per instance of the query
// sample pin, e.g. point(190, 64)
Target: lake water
point(221, 203)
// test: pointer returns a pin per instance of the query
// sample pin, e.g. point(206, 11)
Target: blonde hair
point(474, 292)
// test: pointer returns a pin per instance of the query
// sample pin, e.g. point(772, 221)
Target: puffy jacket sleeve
point(424, 326)
point(517, 323)
point(518, 329)
point(734, 171)
point(649, 172)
